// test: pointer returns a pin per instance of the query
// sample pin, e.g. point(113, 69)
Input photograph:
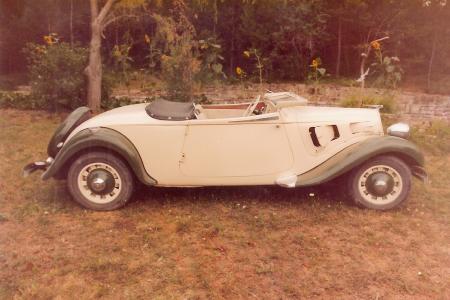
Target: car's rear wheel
point(381, 183)
point(100, 181)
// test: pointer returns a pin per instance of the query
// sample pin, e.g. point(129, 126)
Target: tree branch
point(111, 20)
point(105, 10)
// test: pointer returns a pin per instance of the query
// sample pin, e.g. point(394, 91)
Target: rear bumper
point(37, 165)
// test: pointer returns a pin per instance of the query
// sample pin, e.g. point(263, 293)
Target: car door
point(247, 146)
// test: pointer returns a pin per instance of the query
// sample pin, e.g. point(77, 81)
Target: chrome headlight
point(399, 130)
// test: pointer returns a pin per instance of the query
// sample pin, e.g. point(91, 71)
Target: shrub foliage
point(56, 72)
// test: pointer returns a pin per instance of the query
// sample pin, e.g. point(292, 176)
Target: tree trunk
point(339, 47)
point(94, 70)
point(71, 23)
point(232, 50)
point(430, 62)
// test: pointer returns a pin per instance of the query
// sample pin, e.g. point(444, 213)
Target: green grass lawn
point(233, 243)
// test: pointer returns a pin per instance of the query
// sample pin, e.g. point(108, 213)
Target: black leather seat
point(169, 110)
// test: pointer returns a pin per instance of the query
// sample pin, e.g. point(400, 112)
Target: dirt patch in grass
point(255, 242)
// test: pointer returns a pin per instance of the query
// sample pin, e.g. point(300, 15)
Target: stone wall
point(424, 106)
point(409, 106)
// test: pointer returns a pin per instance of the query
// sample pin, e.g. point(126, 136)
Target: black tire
point(118, 170)
point(395, 168)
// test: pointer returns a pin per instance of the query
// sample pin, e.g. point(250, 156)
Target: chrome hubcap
point(99, 183)
point(380, 184)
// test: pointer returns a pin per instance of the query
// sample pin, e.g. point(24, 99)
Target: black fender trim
point(358, 153)
point(104, 138)
point(64, 129)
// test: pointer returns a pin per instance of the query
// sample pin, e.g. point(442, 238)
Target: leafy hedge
point(56, 73)
point(23, 101)
point(19, 101)
point(360, 99)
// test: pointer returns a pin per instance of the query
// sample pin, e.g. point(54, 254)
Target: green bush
point(56, 73)
point(387, 99)
point(18, 101)
point(27, 102)
point(211, 61)
point(10, 82)
point(115, 102)
point(387, 71)
point(180, 64)
point(434, 137)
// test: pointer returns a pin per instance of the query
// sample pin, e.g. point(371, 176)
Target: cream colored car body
point(223, 147)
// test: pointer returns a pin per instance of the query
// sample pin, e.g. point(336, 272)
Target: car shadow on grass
point(322, 195)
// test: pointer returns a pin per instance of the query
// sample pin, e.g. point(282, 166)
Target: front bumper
point(420, 173)
point(37, 165)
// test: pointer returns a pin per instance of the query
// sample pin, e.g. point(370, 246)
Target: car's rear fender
point(94, 139)
point(358, 153)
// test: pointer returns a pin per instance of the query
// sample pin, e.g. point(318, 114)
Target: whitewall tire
point(100, 181)
point(382, 183)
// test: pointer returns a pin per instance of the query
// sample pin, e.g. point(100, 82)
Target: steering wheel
point(252, 107)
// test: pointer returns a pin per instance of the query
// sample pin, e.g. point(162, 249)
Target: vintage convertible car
point(275, 140)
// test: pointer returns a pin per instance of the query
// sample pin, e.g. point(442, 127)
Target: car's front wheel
point(381, 183)
point(100, 181)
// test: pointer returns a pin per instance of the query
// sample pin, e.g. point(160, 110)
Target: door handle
point(183, 156)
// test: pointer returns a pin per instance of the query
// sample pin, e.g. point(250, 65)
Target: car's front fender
point(358, 153)
point(98, 138)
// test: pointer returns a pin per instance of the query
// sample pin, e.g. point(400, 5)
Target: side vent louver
point(321, 136)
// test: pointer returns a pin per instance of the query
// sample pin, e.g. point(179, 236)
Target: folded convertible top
point(169, 110)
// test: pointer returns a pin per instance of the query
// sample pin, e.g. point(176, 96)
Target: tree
point(111, 11)
point(437, 28)
point(179, 63)
point(94, 69)
point(288, 34)
point(342, 12)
